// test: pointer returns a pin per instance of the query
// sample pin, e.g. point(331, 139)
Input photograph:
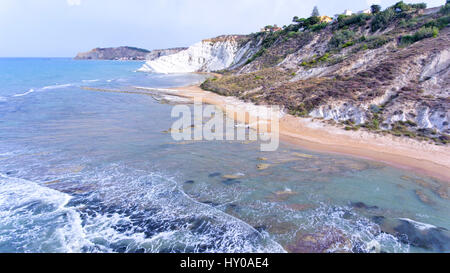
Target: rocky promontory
point(125, 53)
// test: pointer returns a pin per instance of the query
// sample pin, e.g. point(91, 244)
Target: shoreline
point(420, 157)
point(424, 158)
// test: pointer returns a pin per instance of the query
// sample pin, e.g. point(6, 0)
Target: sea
point(87, 165)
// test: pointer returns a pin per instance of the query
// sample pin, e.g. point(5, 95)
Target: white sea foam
point(2, 99)
point(39, 217)
point(217, 231)
point(24, 94)
point(57, 86)
point(96, 80)
point(418, 225)
point(116, 217)
point(355, 230)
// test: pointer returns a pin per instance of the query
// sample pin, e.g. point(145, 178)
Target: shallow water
point(85, 171)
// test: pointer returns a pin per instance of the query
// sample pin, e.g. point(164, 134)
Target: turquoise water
point(86, 171)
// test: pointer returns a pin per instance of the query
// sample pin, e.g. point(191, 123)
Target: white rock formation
point(340, 111)
point(205, 56)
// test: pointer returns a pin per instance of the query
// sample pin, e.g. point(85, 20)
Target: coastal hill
point(125, 53)
point(385, 71)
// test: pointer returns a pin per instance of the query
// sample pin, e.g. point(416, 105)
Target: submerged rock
point(329, 240)
point(415, 233)
point(262, 166)
point(300, 207)
point(214, 174)
point(361, 205)
point(230, 182)
point(52, 182)
point(232, 208)
point(280, 196)
point(302, 155)
point(210, 203)
point(423, 197)
point(442, 192)
point(439, 189)
point(233, 176)
point(260, 228)
point(423, 235)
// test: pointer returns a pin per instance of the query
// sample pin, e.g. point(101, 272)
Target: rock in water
point(262, 166)
point(423, 235)
point(416, 233)
point(361, 205)
point(331, 240)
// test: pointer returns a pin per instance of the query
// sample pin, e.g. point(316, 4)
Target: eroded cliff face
point(157, 53)
point(205, 56)
point(344, 71)
point(417, 93)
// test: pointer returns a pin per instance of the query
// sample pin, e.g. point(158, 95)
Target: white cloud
point(73, 2)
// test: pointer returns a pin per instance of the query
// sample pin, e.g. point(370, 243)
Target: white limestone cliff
point(205, 56)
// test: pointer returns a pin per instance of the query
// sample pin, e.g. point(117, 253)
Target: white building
point(365, 11)
point(347, 12)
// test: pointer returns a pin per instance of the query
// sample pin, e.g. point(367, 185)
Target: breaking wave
point(34, 218)
point(24, 94)
point(142, 212)
point(57, 86)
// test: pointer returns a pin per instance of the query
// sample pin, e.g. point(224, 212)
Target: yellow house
point(325, 19)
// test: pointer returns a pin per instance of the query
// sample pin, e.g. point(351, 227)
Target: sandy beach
point(315, 135)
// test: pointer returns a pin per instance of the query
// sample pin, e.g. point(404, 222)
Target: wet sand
point(422, 157)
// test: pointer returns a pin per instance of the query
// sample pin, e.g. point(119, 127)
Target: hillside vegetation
point(387, 72)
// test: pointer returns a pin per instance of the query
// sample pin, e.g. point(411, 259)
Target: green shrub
point(316, 60)
point(319, 26)
point(256, 55)
point(377, 41)
point(422, 33)
point(300, 110)
point(445, 9)
point(324, 57)
point(402, 6)
point(382, 19)
point(440, 23)
point(357, 19)
point(340, 38)
point(409, 23)
point(419, 6)
point(347, 44)
point(308, 22)
point(291, 34)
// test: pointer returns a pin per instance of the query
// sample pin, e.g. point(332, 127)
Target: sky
point(62, 28)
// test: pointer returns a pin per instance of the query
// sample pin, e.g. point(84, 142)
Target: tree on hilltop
point(375, 8)
point(315, 12)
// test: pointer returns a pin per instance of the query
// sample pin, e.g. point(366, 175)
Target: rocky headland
point(126, 53)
